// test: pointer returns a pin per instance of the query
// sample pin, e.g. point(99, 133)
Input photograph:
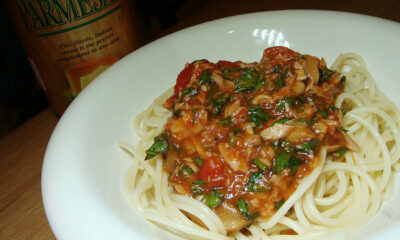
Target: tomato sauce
point(244, 135)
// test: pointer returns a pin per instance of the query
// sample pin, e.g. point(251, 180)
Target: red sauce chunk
point(243, 135)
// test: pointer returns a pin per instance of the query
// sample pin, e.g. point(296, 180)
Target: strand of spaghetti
point(371, 183)
point(339, 206)
point(158, 188)
point(390, 123)
point(301, 217)
point(386, 157)
point(205, 214)
point(320, 187)
point(295, 226)
point(142, 185)
point(339, 193)
point(171, 207)
point(183, 228)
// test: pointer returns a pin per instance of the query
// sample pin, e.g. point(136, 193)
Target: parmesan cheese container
point(70, 42)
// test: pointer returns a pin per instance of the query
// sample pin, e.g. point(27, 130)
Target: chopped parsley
point(205, 77)
point(214, 199)
point(219, 102)
point(198, 161)
point(257, 115)
point(197, 187)
point(225, 122)
point(325, 74)
point(307, 147)
point(250, 80)
point(323, 113)
point(160, 145)
point(189, 92)
point(282, 103)
point(279, 204)
point(259, 164)
point(341, 151)
point(242, 206)
point(286, 161)
point(283, 120)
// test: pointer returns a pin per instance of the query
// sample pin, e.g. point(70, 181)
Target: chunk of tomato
point(181, 82)
point(212, 173)
point(227, 64)
point(279, 54)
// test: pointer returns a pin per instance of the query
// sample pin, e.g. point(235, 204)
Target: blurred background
point(21, 98)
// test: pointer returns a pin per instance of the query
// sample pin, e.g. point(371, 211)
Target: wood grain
point(21, 155)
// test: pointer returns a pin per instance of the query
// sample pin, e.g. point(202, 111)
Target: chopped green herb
point(205, 77)
point(219, 102)
point(195, 112)
point(225, 122)
point(185, 170)
point(285, 145)
point(275, 145)
point(188, 91)
point(343, 129)
point(282, 144)
point(242, 206)
point(197, 187)
point(323, 113)
point(279, 204)
point(176, 113)
point(250, 80)
point(307, 147)
point(160, 145)
point(198, 161)
point(257, 183)
point(236, 130)
point(283, 120)
point(286, 161)
point(343, 111)
point(342, 82)
point(260, 165)
point(277, 68)
point(282, 103)
point(281, 162)
point(279, 81)
point(332, 108)
point(341, 151)
point(325, 74)
point(214, 199)
point(257, 115)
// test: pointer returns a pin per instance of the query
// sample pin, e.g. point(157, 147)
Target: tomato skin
point(227, 64)
point(279, 54)
point(212, 172)
point(182, 81)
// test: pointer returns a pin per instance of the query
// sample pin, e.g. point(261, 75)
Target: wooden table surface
point(21, 152)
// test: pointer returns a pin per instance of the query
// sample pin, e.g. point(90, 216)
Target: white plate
point(83, 167)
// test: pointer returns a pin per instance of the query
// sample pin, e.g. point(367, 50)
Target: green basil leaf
point(219, 102)
point(279, 204)
point(214, 199)
point(307, 147)
point(257, 115)
point(259, 164)
point(160, 145)
point(250, 80)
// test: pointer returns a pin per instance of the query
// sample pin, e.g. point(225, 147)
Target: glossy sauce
point(243, 135)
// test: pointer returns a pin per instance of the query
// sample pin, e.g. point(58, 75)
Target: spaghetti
point(338, 196)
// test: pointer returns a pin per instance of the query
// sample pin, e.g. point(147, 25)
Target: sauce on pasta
point(242, 136)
